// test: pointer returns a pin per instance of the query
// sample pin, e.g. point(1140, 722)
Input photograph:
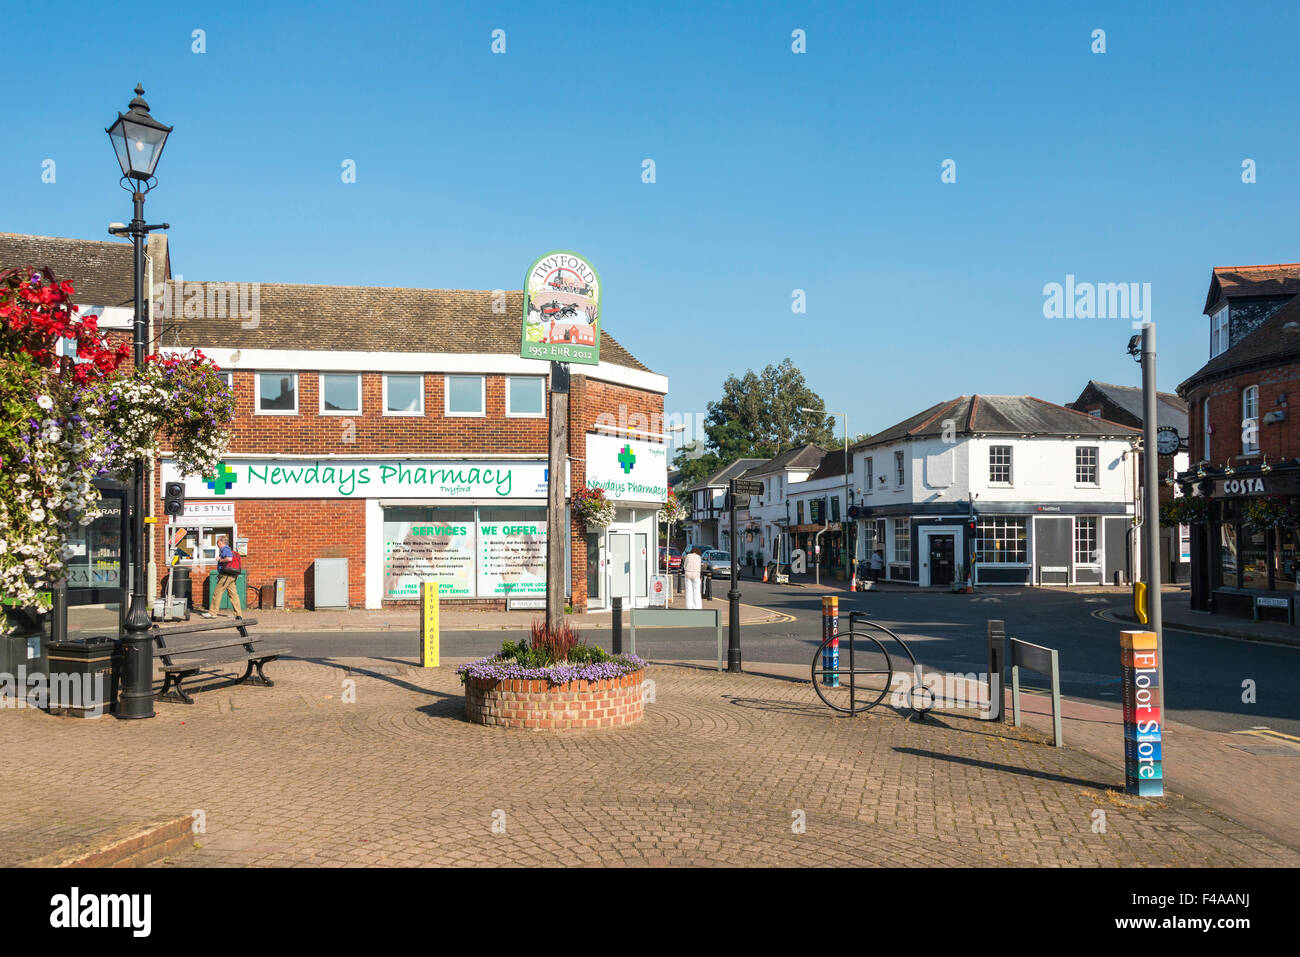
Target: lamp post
point(1143, 348)
point(138, 140)
point(844, 515)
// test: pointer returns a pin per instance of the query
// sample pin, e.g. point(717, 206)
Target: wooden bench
point(201, 645)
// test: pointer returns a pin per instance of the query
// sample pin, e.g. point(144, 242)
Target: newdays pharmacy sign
point(488, 479)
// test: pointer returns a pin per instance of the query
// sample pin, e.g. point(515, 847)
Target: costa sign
point(1257, 485)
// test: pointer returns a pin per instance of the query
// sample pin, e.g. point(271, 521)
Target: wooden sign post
point(557, 467)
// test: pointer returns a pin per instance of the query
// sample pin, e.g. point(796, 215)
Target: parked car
point(670, 558)
point(716, 564)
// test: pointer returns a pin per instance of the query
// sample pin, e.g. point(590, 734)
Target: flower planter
point(537, 705)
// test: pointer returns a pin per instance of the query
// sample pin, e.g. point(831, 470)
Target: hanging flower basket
point(1186, 510)
point(673, 511)
point(1265, 513)
point(592, 508)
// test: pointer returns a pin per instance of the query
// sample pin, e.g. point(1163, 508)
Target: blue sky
point(775, 171)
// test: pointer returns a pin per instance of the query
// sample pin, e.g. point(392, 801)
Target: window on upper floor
point(525, 396)
point(1250, 420)
point(1085, 465)
point(403, 395)
point(340, 393)
point(466, 395)
point(1095, 413)
point(835, 508)
point(999, 465)
point(798, 512)
point(1219, 332)
point(898, 469)
point(277, 393)
point(869, 467)
point(1205, 429)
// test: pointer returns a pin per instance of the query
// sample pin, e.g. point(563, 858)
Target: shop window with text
point(277, 393)
point(1085, 465)
point(1250, 420)
point(902, 541)
point(403, 395)
point(1001, 541)
point(1085, 541)
point(999, 465)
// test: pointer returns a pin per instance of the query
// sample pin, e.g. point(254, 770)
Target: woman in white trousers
point(691, 569)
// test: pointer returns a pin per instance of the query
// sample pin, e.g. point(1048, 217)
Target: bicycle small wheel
point(853, 677)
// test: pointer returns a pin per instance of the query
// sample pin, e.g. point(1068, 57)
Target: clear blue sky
point(775, 171)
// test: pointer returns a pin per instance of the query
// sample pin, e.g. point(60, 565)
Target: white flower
point(45, 402)
point(38, 515)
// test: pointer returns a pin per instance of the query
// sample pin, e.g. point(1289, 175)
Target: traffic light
point(174, 499)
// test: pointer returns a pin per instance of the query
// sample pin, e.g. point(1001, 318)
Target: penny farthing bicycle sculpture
point(853, 671)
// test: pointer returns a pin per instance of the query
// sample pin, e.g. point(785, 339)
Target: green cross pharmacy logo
point(222, 479)
point(626, 459)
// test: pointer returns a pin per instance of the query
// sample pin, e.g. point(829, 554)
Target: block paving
point(723, 770)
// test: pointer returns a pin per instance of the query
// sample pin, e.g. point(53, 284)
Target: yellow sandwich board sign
point(429, 635)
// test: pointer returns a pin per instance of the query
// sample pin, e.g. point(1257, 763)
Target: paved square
point(718, 773)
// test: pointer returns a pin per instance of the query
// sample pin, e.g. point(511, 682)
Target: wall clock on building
point(1168, 441)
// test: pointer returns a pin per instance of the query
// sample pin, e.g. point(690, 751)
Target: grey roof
point(996, 415)
point(1267, 344)
point(832, 465)
point(803, 457)
point(1171, 410)
point(728, 472)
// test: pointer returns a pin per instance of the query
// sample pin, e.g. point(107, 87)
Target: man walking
point(691, 569)
point(227, 577)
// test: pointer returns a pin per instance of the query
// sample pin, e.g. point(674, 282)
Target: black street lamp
point(138, 139)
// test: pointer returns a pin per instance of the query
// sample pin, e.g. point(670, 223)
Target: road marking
point(1101, 614)
point(1270, 733)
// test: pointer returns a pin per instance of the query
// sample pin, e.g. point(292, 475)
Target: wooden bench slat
point(223, 660)
point(171, 651)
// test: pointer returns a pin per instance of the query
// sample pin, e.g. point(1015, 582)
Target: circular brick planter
point(538, 705)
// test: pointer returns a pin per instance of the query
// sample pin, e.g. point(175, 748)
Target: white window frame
point(320, 381)
point(904, 525)
point(510, 381)
point(405, 375)
point(868, 465)
point(1205, 428)
point(1094, 559)
point(900, 469)
point(1219, 332)
point(1096, 466)
point(1000, 526)
point(1249, 400)
point(446, 397)
point(257, 394)
point(1010, 464)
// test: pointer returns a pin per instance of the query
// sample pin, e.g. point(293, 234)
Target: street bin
point(23, 643)
point(82, 677)
point(241, 587)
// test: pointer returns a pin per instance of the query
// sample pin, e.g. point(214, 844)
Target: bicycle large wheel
point(859, 679)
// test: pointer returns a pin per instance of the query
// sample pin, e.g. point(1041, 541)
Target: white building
point(1022, 490)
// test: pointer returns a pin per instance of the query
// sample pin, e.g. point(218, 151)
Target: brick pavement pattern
point(723, 770)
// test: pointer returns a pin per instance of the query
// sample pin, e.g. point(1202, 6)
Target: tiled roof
point(374, 319)
point(1280, 279)
point(831, 466)
point(1171, 409)
point(101, 271)
point(1267, 344)
point(802, 457)
point(996, 415)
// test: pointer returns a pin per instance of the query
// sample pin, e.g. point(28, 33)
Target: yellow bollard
point(1140, 601)
point(429, 636)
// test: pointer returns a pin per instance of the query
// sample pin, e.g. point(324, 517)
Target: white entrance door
point(620, 567)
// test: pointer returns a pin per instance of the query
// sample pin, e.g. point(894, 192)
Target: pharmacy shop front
point(476, 526)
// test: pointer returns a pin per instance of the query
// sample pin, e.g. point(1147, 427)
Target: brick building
point(1246, 444)
point(400, 430)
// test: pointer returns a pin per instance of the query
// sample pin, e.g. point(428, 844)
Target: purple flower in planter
point(494, 668)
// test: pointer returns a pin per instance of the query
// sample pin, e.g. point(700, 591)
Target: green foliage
point(584, 654)
point(543, 654)
point(759, 415)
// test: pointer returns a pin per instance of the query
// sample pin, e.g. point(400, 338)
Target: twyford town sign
point(561, 310)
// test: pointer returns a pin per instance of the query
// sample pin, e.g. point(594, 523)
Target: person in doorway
point(691, 565)
point(877, 565)
point(227, 577)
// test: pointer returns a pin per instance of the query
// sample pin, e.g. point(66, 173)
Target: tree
point(759, 415)
point(694, 463)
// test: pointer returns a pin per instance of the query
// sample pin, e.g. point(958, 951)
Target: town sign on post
point(561, 310)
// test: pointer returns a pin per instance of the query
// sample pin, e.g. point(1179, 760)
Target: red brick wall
point(286, 535)
point(541, 706)
point(1277, 440)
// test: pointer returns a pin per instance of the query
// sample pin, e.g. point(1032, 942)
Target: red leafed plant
point(557, 641)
